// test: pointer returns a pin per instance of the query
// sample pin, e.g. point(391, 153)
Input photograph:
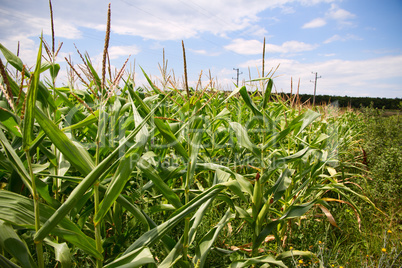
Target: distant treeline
point(354, 102)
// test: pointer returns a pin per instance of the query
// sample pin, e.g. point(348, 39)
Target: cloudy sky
point(355, 46)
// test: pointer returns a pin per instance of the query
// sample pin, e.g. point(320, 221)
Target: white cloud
point(199, 51)
point(152, 19)
point(315, 23)
point(254, 47)
point(333, 38)
point(337, 37)
point(118, 51)
point(295, 46)
point(339, 14)
point(245, 47)
point(339, 77)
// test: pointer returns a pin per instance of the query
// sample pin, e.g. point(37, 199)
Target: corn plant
point(109, 175)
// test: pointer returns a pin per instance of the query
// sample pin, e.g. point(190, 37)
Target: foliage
point(383, 152)
point(110, 175)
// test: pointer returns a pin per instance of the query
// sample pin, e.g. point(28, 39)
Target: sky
point(354, 46)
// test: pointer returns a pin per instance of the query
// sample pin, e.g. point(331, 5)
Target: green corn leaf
point(243, 214)
point(123, 172)
point(16, 62)
point(234, 92)
point(308, 254)
point(87, 182)
point(45, 66)
point(119, 180)
point(155, 88)
point(249, 102)
point(156, 233)
point(177, 252)
point(89, 120)
point(9, 121)
point(196, 133)
point(11, 242)
point(54, 70)
point(64, 144)
point(267, 93)
point(205, 244)
point(245, 185)
point(295, 211)
point(304, 120)
point(243, 139)
point(298, 125)
point(64, 98)
point(61, 252)
point(29, 116)
point(11, 58)
point(174, 256)
point(16, 162)
point(150, 172)
point(50, 156)
point(19, 167)
point(282, 184)
point(18, 210)
point(138, 258)
point(265, 232)
point(268, 259)
point(163, 127)
point(94, 74)
point(5, 263)
point(293, 157)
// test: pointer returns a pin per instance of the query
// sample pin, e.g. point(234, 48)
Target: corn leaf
point(308, 254)
point(61, 252)
point(205, 244)
point(268, 259)
point(156, 233)
point(18, 210)
point(249, 102)
point(11, 242)
point(16, 62)
point(244, 140)
point(9, 121)
point(150, 173)
point(64, 144)
point(29, 116)
point(267, 93)
point(89, 120)
point(11, 58)
point(87, 182)
point(163, 127)
point(119, 180)
point(137, 258)
point(15, 161)
point(5, 263)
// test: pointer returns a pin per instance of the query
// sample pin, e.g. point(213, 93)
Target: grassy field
point(107, 174)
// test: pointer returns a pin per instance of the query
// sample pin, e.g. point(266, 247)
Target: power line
point(315, 85)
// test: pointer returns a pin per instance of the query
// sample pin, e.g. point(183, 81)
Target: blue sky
point(354, 45)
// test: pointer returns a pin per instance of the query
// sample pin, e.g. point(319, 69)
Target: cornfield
point(112, 175)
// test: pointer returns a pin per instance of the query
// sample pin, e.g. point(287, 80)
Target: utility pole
point(315, 85)
point(237, 79)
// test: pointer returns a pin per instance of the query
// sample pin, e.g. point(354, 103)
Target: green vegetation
point(355, 102)
point(111, 175)
point(391, 105)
